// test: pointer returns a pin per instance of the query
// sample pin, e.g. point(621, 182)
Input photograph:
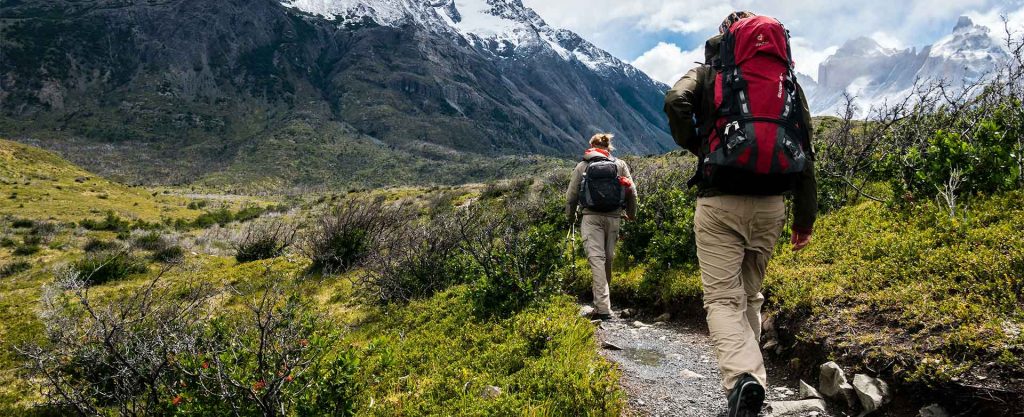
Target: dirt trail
point(669, 369)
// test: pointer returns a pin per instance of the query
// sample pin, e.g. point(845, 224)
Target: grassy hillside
point(337, 349)
point(38, 184)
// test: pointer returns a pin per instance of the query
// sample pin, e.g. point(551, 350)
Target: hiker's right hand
point(800, 240)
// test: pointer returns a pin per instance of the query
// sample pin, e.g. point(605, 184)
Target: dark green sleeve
point(572, 195)
point(805, 196)
point(680, 104)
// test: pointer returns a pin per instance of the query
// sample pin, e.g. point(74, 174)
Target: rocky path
point(669, 369)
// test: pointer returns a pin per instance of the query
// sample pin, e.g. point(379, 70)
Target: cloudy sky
point(665, 37)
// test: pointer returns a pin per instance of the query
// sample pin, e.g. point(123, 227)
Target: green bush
point(517, 256)
point(417, 261)
point(14, 268)
point(662, 234)
point(97, 245)
point(103, 267)
point(22, 223)
point(263, 241)
point(112, 222)
point(151, 241)
point(169, 254)
point(26, 250)
point(284, 361)
point(343, 237)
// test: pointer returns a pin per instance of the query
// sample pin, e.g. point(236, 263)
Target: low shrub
point(7, 242)
point(343, 237)
point(169, 254)
point(263, 241)
point(26, 250)
point(97, 245)
point(111, 223)
point(156, 351)
point(417, 261)
point(517, 256)
point(151, 241)
point(22, 223)
point(103, 267)
point(13, 268)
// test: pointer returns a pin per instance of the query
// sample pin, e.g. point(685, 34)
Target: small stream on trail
point(669, 369)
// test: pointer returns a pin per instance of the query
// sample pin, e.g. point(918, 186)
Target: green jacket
point(691, 97)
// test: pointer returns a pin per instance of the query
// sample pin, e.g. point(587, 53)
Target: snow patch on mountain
point(504, 28)
point(876, 75)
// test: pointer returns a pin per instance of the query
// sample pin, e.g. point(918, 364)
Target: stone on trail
point(610, 346)
point(933, 410)
point(873, 392)
point(832, 382)
point(586, 311)
point(640, 325)
point(688, 374)
point(491, 392)
point(795, 408)
point(627, 313)
point(663, 318)
point(807, 391)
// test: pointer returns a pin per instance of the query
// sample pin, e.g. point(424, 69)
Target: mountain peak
point(863, 46)
point(963, 23)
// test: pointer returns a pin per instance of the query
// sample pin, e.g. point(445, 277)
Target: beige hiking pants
point(735, 239)
point(599, 235)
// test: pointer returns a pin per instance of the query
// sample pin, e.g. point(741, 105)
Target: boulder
point(832, 382)
point(796, 408)
point(627, 313)
point(688, 374)
point(873, 392)
point(933, 410)
point(491, 392)
point(807, 391)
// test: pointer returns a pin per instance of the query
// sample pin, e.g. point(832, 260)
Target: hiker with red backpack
point(746, 118)
point(603, 187)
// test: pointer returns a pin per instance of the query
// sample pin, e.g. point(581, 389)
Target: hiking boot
point(746, 398)
point(603, 317)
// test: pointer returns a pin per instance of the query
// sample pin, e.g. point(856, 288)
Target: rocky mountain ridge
point(875, 74)
point(312, 92)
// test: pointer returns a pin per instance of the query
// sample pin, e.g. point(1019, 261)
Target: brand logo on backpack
point(756, 143)
point(601, 190)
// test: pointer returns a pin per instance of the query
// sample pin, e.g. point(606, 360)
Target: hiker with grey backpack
point(603, 192)
point(746, 119)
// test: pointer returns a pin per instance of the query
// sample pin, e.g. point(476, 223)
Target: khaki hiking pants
point(599, 235)
point(735, 239)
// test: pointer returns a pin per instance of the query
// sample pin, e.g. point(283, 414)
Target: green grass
point(938, 297)
point(37, 184)
point(942, 296)
point(435, 357)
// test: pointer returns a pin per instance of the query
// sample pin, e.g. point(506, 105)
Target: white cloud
point(886, 40)
point(807, 58)
point(667, 62)
point(618, 24)
point(993, 19)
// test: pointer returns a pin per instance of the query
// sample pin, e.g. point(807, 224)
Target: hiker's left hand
point(800, 240)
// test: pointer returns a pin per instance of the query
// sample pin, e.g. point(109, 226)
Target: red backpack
point(755, 143)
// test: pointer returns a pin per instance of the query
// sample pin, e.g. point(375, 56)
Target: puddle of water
point(649, 357)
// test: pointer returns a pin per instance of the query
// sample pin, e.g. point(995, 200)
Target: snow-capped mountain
point(875, 74)
point(201, 88)
point(505, 28)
